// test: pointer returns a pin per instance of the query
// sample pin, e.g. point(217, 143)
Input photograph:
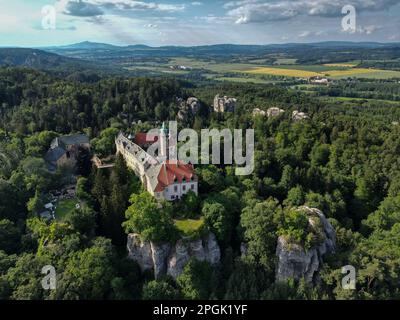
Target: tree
point(295, 197)
point(105, 144)
point(83, 162)
point(188, 206)
point(210, 179)
point(11, 202)
point(36, 203)
point(82, 190)
point(83, 220)
point(219, 220)
point(195, 280)
point(88, 273)
point(149, 220)
point(22, 278)
point(159, 290)
point(9, 236)
point(161, 111)
point(259, 232)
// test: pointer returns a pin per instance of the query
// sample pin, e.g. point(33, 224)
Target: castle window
point(192, 186)
point(176, 188)
point(184, 188)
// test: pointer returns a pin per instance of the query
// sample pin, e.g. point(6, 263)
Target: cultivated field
point(253, 70)
point(332, 71)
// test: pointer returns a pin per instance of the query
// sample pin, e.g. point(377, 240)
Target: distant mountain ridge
point(100, 51)
point(324, 44)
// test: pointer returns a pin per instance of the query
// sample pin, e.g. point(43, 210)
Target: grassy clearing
point(64, 208)
point(349, 99)
point(365, 73)
point(189, 226)
point(285, 61)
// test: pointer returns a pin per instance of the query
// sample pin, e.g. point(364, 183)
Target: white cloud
point(368, 29)
point(304, 34)
point(87, 8)
point(249, 11)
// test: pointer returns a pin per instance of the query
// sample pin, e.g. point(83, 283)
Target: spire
point(163, 143)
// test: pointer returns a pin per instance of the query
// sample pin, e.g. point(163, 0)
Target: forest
point(344, 160)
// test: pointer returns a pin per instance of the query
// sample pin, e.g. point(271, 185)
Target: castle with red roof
point(163, 178)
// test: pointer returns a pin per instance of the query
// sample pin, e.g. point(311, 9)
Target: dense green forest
point(343, 160)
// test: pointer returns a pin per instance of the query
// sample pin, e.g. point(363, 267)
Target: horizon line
point(196, 45)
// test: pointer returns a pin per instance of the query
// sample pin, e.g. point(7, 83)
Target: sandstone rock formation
point(224, 104)
point(274, 112)
point(298, 116)
point(294, 261)
point(259, 112)
point(270, 113)
point(188, 108)
point(171, 259)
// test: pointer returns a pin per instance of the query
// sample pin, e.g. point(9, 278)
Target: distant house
point(64, 151)
point(319, 80)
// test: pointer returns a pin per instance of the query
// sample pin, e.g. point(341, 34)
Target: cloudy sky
point(179, 22)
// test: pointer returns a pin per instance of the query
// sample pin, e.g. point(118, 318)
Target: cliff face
point(171, 259)
point(296, 262)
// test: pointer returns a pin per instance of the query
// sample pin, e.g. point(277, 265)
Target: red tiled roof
point(172, 172)
point(142, 139)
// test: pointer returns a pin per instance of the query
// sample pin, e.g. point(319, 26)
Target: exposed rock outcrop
point(294, 261)
point(298, 116)
point(188, 108)
point(171, 259)
point(259, 112)
point(224, 104)
point(274, 112)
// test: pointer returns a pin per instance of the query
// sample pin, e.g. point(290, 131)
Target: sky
point(36, 23)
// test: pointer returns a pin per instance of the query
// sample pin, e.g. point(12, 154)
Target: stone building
point(64, 151)
point(163, 178)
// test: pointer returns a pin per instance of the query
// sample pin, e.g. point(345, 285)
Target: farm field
point(339, 72)
point(242, 80)
point(251, 72)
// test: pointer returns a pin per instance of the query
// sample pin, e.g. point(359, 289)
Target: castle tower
point(163, 143)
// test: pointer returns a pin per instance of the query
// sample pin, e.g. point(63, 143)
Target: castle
point(163, 178)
